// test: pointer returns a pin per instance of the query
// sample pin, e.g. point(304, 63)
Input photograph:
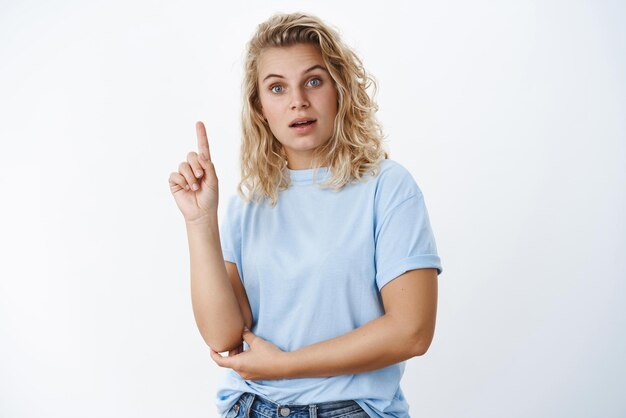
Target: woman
point(322, 279)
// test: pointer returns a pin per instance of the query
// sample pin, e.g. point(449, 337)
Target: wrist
point(289, 364)
point(208, 221)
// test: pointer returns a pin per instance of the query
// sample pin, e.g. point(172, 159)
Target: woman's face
point(294, 84)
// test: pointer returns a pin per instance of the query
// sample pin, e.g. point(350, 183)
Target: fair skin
point(404, 331)
point(294, 83)
point(215, 303)
point(410, 301)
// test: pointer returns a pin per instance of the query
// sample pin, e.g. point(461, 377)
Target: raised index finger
point(203, 142)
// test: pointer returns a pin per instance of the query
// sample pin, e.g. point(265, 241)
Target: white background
point(510, 115)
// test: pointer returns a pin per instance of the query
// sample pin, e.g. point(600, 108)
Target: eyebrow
point(315, 67)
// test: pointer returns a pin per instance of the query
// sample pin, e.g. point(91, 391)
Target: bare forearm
point(377, 344)
point(215, 307)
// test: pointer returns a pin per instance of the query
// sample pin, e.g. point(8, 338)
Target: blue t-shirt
point(313, 267)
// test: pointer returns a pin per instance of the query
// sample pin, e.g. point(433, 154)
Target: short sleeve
point(230, 232)
point(404, 241)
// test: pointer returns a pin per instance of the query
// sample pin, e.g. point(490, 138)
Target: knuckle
point(192, 155)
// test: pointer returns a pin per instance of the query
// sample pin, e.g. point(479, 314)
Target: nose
point(298, 99)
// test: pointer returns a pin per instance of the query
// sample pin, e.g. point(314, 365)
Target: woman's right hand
point(198, 203)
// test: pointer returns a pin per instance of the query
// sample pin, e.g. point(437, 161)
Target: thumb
point(248, 336)
point(219, 360)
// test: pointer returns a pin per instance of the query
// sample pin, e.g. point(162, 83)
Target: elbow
point(420, 348)
point(226, 341)
point(221, 334)
point(225, 345)
point(416, 338)
point(421, 343)
point(223, 349)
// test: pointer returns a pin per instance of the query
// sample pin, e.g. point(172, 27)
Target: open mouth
point(303, 123)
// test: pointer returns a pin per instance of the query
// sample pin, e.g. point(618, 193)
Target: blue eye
point(318, 81)
point(273, 87)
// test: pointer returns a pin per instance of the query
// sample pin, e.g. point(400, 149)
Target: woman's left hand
point(262, 361)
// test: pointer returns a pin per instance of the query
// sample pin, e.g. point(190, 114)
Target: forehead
point(289, 60)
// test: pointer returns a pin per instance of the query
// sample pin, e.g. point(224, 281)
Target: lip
point(301, 120)
point(304, 129)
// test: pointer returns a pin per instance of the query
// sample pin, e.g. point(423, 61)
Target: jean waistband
point(322, 410)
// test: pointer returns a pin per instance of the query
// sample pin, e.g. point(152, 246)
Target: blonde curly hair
point(356, 146)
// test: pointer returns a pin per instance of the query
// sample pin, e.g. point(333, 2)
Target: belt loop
point(250, 402)
point(313, 411)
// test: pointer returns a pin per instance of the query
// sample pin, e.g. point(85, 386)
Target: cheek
point(269, 112)
point(272, 119)
point(331, 101)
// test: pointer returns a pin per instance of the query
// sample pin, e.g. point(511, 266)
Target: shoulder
point(235, 208)
point(234, 202)
point(397, 197)
point(395, 182)
point(238, 208)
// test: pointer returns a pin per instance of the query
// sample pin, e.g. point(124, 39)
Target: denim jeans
point(250, 405)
